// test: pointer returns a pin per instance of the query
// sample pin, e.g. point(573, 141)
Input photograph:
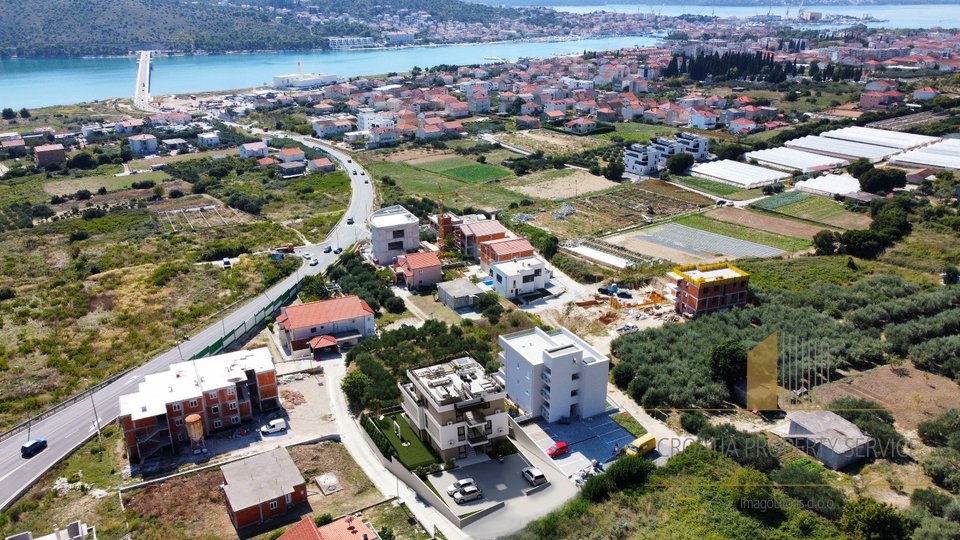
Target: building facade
point(224, 390)
point(504, 249)
point(456, 407)
point(342, 321)
point(554, 374)
point(520, 276)
point(394, 231)
point(701, 289)
point(262, 487)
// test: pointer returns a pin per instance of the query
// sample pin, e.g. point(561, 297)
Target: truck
point(641, 446)
point(288, 248)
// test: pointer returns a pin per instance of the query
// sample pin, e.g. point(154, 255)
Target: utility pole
point(96, 424)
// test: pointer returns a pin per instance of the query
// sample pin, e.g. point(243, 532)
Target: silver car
point(467, 494)
point(534, 476)
point(459, 485)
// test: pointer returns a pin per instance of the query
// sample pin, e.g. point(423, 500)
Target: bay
point(57, 81)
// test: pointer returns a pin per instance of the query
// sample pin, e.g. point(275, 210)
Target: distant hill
point(65, 28)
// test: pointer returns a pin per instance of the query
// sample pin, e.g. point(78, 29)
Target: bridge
point(141, 94)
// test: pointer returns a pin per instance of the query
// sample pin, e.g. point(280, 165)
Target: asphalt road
point(141, 93)
point(72, 426)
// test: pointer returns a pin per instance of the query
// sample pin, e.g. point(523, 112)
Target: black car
point(604, 290)
point(350, 221)
point(32, 447)
point(624, 294)
point(327, 249)
point(338, 251)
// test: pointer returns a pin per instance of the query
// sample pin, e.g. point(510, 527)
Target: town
point(615, 293)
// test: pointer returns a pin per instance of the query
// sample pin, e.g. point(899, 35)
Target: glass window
point(177, 407)
point(215, 409)
point(235, 420)
point(274, 505)
point(193, 403)
point(178, 422)
point(232, 406)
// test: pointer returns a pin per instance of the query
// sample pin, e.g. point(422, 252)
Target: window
point(288, 498)
point(231, 391)
point(499, 278)
point(461, 433)
point(215, 409)
point(394, 246)
point(274, 505)
point(211, 395)
point(178, 422)
point(528, 279)
point(193, 403)
point(176, 407)
point(179, 438)
point(575, 377)
point(573, 393)
point(398, 233)
point(232, 405)
point(537, 272)
point(235, 420)
point(217, 424)
point(313, 330)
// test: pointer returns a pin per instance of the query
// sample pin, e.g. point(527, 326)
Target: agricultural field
point(607, 211)
point(929, 248)
point(717, 188)
point(559, 184)
point(764, 222)
point(669, 190)
point(747, 233)
point(551, 142)
point(681, 243)
point(816, 209)
point(462, 169)
point(456, 193)
point(146, 163)
point(111, 182)
point(636, 132)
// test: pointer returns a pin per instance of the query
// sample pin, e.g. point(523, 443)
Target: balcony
point(474, 419)
point(545, 377)
point(476, 440)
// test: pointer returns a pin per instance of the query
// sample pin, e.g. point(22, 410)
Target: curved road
point(69, 428)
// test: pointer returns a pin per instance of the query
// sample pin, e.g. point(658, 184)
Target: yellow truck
point(641, 446)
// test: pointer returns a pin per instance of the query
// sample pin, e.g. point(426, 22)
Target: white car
point(274, 426)
point(313, 262)
point(628, 328)
point(459, 485)
point(467, 494)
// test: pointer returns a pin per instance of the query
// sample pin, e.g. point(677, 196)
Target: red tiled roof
point(419, 261)
point(305, 529)
point(342, 529)
point(325, 311)
point(505, 246)
point(320, 342)
point(290, 152)
point(483, 228)
point(267, 161)
point(48, 148)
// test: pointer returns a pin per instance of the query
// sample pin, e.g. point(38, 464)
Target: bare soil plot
point(911, 395)
point(683, 244)
point(329, 457)
point(762, 222)
point(429, 159)
point(194, 503)
point(93, 183)
point(410, 155)
point(197, 212)
point(561, 184)
point(146, 163)
point(551, 142)
point(670, 190)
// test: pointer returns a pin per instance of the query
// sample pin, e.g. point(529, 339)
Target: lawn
point(111, 182)
point(398, 519)
point(637, 132)
point(434, 309)
point(781, 199)
point(416, 454)
point(732, 230)
point(629, 423)
point(455, 193)
point(717, 188)
point(465, 170)
point(823, 210)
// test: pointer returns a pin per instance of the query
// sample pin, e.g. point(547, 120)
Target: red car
point(558, 449)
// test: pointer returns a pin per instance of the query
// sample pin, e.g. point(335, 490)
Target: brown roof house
point(418, 270)
point(262, 487)
point(325, 324)
point(49, 154)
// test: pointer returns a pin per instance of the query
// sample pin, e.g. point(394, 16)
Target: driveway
point(498, 482)
point(596, 438)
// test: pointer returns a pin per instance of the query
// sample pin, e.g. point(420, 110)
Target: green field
point(637, 132)
point(93, 183)
point(699, 221)
point(781, 199)
point(466, 170)
point(717, 188)
point(823, 210)
point(456, 193)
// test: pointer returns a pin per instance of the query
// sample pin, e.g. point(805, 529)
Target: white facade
point(651, 158)
point(208, 139)
point(301, 81)
point(143, 144)
point(456, 406)
point(350, 42)
point(393, 231)
point(368, 120)
point(554, 374)
point(640, 159)
point(519, 276)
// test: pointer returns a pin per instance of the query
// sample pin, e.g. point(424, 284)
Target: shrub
point(6, 293)
point(931, 500)
point(807, 484)
point(629, 472)
point(868, 519)
point(936, 432)
point(76, 236)
point(323, 519)
point(597, 488)
point(693, 422)
point(395, 305)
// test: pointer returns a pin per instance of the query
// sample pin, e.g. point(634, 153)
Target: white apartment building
point(520, 276)
point(554, 374)
point(651, 158)
point(351, 42)
point(368, 119)
point(393, 231)
point(456, 406)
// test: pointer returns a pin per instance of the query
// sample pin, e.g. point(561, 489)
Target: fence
point(253, 322)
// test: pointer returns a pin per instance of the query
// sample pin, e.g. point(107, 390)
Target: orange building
point(224, 391)
point(503, 249)
point(262, 487)
point(707, 288)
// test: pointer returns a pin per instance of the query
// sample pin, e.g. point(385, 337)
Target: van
point(226, 263)
point(274, 426)
point(33, 446)
point(533, 475)
point(641, 446)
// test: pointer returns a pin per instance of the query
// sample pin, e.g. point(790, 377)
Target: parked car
point(313, 262)
point(366, 181)
point(467, 494)
point(641, 446)
point(628, 328)
point(604, 290)
point(349, 161)
point(721, 202)
point(624, 294)
point(338, 251)
point(328, 249)
point(307, 256)
point(729, 203)
point(354, 173)
point(226, 263)
point(558, 449)
point(533, 475)
point(32, 447)
point(274, 426)
point(459, 485)
point(350, 221)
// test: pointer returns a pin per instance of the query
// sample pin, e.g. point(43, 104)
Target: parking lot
point(498, 482)
point(596, 438)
